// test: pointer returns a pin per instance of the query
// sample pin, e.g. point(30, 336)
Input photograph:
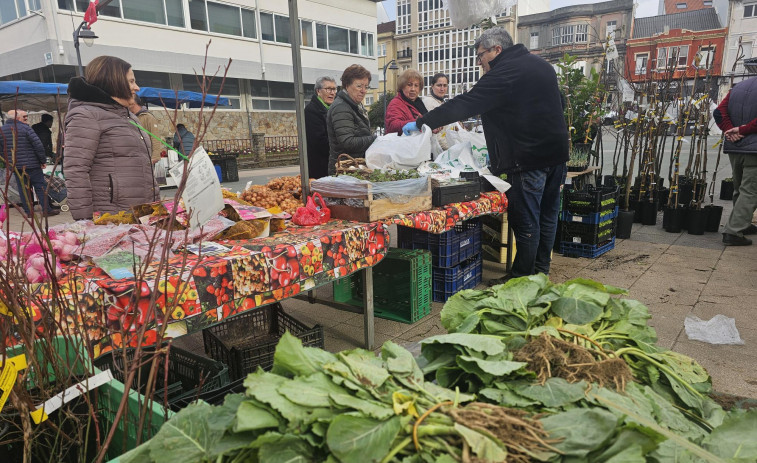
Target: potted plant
point(583, 97)
point(579, 159)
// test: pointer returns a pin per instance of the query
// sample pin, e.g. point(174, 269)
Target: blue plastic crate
point(596, 217)
point(447, 249)
point(448, 281)
point(570, 249)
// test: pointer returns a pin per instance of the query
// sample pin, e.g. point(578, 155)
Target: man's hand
point(733, 135)
point(44, 165)
point(410, 127)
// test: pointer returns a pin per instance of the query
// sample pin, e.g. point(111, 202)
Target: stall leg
point(368, 304)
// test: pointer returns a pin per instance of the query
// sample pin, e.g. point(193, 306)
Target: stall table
point(211, 288)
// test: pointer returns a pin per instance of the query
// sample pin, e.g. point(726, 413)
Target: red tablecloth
point(442, 219)
point(211, 288)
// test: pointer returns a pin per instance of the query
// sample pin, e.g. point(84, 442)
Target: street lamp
point(393, 66)
point(86, 34)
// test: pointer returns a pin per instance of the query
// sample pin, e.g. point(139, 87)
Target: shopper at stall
point(23, 152)
point(315, 127)
point(519, 101)
point(439, 85)
point(347, 120)
point(149, 123)
point(42, 129)
point(736, 116)
point(407, 105)
point(183, 140)
point(107, 163)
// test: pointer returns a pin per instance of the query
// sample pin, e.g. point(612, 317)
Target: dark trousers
point(32, 178)
point(533, 206)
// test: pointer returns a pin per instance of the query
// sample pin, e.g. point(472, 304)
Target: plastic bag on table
point(312, 214)
point(399, 152)
point(345, 186)
point(465, 13)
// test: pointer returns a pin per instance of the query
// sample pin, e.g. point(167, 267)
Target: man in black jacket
point(315, 127)
point(42, 129)
point(521, 108)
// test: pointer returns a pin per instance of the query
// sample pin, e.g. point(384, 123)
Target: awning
point(172, 99)
point(32, 96)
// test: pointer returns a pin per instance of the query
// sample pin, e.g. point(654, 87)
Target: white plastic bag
point(399, 152)
point(465, 13)
point(717, 330)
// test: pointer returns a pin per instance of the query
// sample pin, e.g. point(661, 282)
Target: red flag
point(90, 16)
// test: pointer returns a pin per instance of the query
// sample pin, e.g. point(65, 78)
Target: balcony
point(407, 53)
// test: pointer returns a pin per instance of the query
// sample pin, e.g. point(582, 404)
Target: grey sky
point(645, 7)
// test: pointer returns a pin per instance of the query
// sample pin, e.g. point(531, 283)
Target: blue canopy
point(32, 96)
point(171, 98)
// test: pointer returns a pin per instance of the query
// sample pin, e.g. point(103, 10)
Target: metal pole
point(385, 66)
point(80, 69)
point(299, 96)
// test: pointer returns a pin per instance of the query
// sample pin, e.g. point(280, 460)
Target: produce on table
point(262, 196)
point(115, 219)
point(291, 184)
point(231, 195)
point(379, 175)
point(34, 252)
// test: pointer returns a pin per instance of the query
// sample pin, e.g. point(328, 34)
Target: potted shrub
point(579, 159)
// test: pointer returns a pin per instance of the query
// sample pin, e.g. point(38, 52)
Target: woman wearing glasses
point(315, 127)
point(407, 106)
point(347, 120)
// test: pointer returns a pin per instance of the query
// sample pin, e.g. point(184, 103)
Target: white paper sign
point(202, 194)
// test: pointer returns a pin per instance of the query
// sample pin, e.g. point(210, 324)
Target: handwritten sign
point(202, 194)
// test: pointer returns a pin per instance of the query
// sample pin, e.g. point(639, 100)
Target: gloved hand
point(410, 127)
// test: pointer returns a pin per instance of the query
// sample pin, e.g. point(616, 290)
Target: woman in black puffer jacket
point(347, 120)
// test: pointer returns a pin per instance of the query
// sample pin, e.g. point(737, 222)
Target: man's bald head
point(18, 115)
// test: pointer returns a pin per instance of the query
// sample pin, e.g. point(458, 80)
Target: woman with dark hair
point(107, 163)
point(406, 106)
point(347, 120)
point(439, 85)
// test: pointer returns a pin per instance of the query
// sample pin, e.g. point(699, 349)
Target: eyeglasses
point(479, 55)
point(361, 87)
point(329, 89)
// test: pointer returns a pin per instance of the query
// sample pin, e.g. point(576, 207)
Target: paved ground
point(673, 274)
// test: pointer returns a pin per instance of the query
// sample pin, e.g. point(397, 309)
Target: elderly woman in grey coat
point(347, 120)
point(107, 162)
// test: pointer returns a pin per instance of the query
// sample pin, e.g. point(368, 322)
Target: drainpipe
point(54, 18)
point(260, 40)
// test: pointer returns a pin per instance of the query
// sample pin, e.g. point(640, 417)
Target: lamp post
point(86, 34)
point(393, 66)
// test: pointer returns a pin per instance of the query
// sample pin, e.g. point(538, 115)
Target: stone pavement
point(673, 274)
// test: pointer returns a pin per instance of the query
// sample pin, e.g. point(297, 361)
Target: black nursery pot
point(625, 224)
point(673, 218)
point(696, 221)
point(662, 197)
point(726, 190)
point(714, 214)
point(648, 212)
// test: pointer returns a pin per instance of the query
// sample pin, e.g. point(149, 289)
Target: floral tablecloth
point(442, 219)
point(197, 292)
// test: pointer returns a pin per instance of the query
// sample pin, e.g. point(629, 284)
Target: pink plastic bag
point(312, 214)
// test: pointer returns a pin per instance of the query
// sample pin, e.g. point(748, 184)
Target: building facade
point(165, 42)
point(581, 31)
point(741, 47)
point(679, 6)
point(385, 52)
point(426, 41)
point(689, 44)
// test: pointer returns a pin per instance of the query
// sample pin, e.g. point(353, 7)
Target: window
point(706, 57)
point(266, 26)
point(321, 36)
point(248, 24)
point(750, 11)
point(534, 44)
point(145, 10)
point(152, 79)
point(9, 11)
point(338, 39)
point(368, 100)
point(611, 25)
point(274, 96)
point(353, 42)
point(382, 49)
point(707, 3)
point(282, 29)
point(403, 16)
point(432, 15)
point(306, 31)
point(224, 19)
point(556, 36)
point(366, 44)
point(641, 63)
point(198, 19)
point(567, 34)
point(681, 55)
point(662, 58)
point(112, 10)
point(230, 88)
point(681, 5)
point(582, 33)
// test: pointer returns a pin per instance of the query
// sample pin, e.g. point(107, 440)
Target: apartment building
point(385, 53)
point(740, 60)
point(680, 6)
point(165, 41)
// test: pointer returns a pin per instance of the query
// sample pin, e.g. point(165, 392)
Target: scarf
point(417, 104)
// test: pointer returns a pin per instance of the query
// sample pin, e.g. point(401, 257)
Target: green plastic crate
point(73, 353)
point(401, 286)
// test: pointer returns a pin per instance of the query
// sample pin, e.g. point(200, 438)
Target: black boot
point(735, 240)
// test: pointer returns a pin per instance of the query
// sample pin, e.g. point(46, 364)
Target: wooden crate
point(375, 209)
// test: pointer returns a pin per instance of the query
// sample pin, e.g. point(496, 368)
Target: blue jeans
point(33, 177)
point(533, 208)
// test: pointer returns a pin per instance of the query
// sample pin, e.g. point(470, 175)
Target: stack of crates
point(455, 256)
point(588, 221)
point(401, 286)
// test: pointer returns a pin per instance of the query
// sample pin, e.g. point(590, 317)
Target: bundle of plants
point(347, 407)
point(582, 312)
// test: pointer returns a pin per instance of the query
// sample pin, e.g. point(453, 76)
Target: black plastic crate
point(591, 200)
point(455, 193)
point(448, 281)
point(188, 374)
point(587, 233)
point(248, 340)
point(229, 167)
point(592, 251)
point(215, 396)
point(447, 249)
